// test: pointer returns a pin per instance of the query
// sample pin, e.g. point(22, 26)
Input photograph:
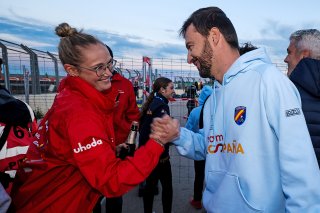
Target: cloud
point(275, 36)
point(39, 35)
point(171, 31)
point(276, 31)
point(35, 36)
point(42, 36)
point(27, 42)
point(24, 20)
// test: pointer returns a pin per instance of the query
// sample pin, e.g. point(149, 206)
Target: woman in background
point(156, 106)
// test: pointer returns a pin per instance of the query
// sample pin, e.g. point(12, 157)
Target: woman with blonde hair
point(73, 159)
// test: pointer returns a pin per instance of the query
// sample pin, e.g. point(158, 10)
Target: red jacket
point(76, 141)
point(127, 109)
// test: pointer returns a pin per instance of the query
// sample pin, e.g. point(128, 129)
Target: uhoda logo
point(81, 148)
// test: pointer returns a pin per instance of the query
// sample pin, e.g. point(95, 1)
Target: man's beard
point(205, 61)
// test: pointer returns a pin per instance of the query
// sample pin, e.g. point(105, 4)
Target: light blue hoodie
point(193, 119)
point(5, 199)
point(259, 156)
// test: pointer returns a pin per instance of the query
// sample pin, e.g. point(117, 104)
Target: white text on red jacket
point(81, 148)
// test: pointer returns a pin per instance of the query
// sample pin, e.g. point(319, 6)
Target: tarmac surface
point(182, 180)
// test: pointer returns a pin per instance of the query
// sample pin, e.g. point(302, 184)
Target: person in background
point(255, 139)
point(127, 110)
point(196, 85)
point(136, 88)
point(72, 161)
point(156, 106)
point(191, 95)
point(200, 85)
point(303, 44)
point(5, 200)
point(17, 127)
point(247, 47)
point(125, 113)
point(303, 61)
point(193, 125)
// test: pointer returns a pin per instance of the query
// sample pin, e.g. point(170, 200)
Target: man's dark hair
point(246, 47)
point(206, 18)
point(110, 51)
point(1, 61)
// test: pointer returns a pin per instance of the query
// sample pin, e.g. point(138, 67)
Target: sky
point(151, 28)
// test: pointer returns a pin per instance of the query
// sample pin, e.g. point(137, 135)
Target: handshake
point(163, 130)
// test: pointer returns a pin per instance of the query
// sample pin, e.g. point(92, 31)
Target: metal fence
point(33, 75)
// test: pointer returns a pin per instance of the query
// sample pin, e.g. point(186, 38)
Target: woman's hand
point(119, 147)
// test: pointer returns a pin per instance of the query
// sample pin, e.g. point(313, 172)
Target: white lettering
point(82, 148)
point(37, 135)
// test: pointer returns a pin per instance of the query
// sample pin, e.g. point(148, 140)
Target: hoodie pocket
point(223, 194)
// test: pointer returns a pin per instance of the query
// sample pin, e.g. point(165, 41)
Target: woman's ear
point(71, 70)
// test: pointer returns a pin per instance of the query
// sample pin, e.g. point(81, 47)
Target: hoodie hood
point(307, 75)
point(205, 92)
point(245, 61)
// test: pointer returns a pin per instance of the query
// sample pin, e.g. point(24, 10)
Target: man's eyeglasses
point(101, 69)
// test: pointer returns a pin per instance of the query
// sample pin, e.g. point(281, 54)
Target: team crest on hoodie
point(240, 115)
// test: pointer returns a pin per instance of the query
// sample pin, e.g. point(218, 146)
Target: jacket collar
point(116, 77)
point(161, 97)
point(104, 100)
point(307, 75)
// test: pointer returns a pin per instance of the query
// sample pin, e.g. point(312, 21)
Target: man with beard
point(258, 152)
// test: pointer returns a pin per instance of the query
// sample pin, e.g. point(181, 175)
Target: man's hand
point(165, 129)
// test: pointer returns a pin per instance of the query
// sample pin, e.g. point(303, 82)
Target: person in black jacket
point(13, 111)
point(303, 44)
point(306, 77)
point(304, 71)
point(191, 94)
point(157, 106)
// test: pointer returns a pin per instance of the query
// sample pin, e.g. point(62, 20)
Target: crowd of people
point(254, 138)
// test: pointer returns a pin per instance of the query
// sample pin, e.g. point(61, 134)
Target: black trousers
point(113, 205)
point(163, 173)
point(198, 179)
